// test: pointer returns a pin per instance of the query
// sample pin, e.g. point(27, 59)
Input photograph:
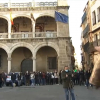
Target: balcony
point(24, 35)
point(92, 46)
point(86, 47)
point(99, 17)
point(83, 17)
point(86, 30)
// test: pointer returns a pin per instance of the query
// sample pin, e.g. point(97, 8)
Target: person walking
point(67, 83)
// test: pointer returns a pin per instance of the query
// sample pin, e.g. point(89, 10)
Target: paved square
point(53, 92)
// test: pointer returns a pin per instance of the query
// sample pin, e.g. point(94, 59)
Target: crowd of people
point(44, 78)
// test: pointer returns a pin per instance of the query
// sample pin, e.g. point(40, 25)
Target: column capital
point(9, 58)
point(34, 58)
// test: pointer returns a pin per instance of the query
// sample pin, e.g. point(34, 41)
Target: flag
point(11, 18)
point(59, 17)
point(32, 16)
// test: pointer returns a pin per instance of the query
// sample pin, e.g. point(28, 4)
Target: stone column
point(9, 63)
point(9, 30)
point(34, 63)
point(33, 28)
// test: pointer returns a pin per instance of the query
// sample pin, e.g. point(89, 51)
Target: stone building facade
point(91, 34)
point(36, 42)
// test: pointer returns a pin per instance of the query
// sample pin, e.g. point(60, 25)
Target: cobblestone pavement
point(54, 92)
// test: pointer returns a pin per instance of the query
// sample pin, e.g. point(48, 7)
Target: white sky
point(75, 14)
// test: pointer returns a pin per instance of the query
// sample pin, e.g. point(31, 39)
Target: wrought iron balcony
point(86, 30)
point(92, 46)
point(83, 17)
point(86, 47)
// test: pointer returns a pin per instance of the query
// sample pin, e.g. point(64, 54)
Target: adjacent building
point(90, 33)
point(31, 39)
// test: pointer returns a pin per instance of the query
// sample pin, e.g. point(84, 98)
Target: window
point(94, 17)
point(96, 39)
point(98, 11)
point(99, 35)
point(52, 62)
point(0, 60)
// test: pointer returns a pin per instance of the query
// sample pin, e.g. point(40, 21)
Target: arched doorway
point(27, 65)
point(3, 60)
point(46, 59)
point(3, 25)
point(20, 57)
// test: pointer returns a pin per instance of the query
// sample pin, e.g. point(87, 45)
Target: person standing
point(27, 76)
point(1, 80)
point(13, 79)
point(67, 83)
point(87, 77)
point(19, 79)
point(32, 77)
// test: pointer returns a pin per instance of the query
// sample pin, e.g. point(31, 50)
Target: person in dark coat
point(1, 80)
point(13, 79)
point(4, 78)
point(67, 83)
point(19, 79)
point(27, 76)
point(87, 77)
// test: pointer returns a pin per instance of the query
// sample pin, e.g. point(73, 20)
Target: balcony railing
point(3, 5)
point(86, 30)
point(86, 47)
point(3, 35)
point(28, 4)
point(46, 34)
point(99, 17)
point(13, 5)
point(83, 17)
point(23, 35)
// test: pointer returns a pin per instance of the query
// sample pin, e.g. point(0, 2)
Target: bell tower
point(62, 3)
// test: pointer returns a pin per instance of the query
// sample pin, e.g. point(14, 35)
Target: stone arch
point(21, 15)
point(50, 44)
point(4, 17)
point(5, 47)
point(41, 15)
point(21, 44)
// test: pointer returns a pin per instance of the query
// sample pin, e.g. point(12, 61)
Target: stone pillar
point(34, 63)
point(33, 28)
point(9, 30)
point(9, 63)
